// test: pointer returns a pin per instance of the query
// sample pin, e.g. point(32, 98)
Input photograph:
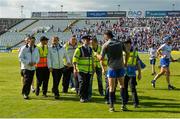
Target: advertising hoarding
point(156, 13)
point(135, 14)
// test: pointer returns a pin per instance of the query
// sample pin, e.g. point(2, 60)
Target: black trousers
point(56, 73)
point(66, 78)
point(99, 78)
point(76, 81)
point(42, 76)
point(84, 83)
point(132, 82)
point(27, 78)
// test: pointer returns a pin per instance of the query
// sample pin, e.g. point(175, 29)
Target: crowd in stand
point(144, 31)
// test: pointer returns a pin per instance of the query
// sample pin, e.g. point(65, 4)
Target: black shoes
point(170, 87)
point(124, 108)
point(56, 97)
point(45, 95)
point(136, 106)
point(37, 91)
point(153, 82)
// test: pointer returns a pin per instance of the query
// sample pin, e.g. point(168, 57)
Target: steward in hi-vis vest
point(70, 48)
point(42, 71)
point(83, 67)
point(130, 77)
point(97, 67)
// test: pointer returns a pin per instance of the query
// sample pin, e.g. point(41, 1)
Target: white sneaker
point(33, 90)
point(25, 97)
point(73, 89)
point(111, 109)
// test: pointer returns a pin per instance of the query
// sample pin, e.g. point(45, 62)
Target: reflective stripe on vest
point(42, 62)
point(132, 61)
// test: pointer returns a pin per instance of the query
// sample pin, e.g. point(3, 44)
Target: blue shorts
point(115, 73)
point(152, 61)
point(164, 62)
point(131, 71)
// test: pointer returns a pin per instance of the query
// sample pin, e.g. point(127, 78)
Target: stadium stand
point(19, 27)
point(52, 25)
point(6, 24)
point(144, 31)
point(48, 28)
point(10, 38)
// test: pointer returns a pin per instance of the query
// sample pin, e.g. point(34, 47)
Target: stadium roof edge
point(100, 18)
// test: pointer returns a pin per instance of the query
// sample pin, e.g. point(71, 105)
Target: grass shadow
point(3, 81)
point(176, 89)
point(175, 75)
point(154, 98)
point(159, 111)
point(160, 104)
point(68, 97)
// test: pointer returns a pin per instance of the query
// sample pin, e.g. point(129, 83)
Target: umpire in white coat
point(29, 57)
point(55, 63)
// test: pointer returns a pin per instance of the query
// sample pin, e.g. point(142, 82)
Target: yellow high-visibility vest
point(96, 60)
point(132, 61)
point(105, 62)
point(84, 63)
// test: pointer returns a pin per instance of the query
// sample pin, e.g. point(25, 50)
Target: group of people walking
point(78, 62)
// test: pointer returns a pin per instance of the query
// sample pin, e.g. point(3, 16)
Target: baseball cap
point(88, 37)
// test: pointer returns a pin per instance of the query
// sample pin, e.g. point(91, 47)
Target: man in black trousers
point(42, 71)
point(29, 57)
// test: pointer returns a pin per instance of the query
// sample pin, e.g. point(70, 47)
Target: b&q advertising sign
point(135, 14)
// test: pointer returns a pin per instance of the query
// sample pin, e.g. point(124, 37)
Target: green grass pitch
point(154, 103)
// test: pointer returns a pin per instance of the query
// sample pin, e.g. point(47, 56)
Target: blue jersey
point(166, 50)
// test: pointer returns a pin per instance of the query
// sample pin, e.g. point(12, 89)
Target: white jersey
point(166, 50)
point(152, 53)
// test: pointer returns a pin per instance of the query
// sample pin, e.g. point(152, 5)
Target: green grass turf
point(158, 102)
